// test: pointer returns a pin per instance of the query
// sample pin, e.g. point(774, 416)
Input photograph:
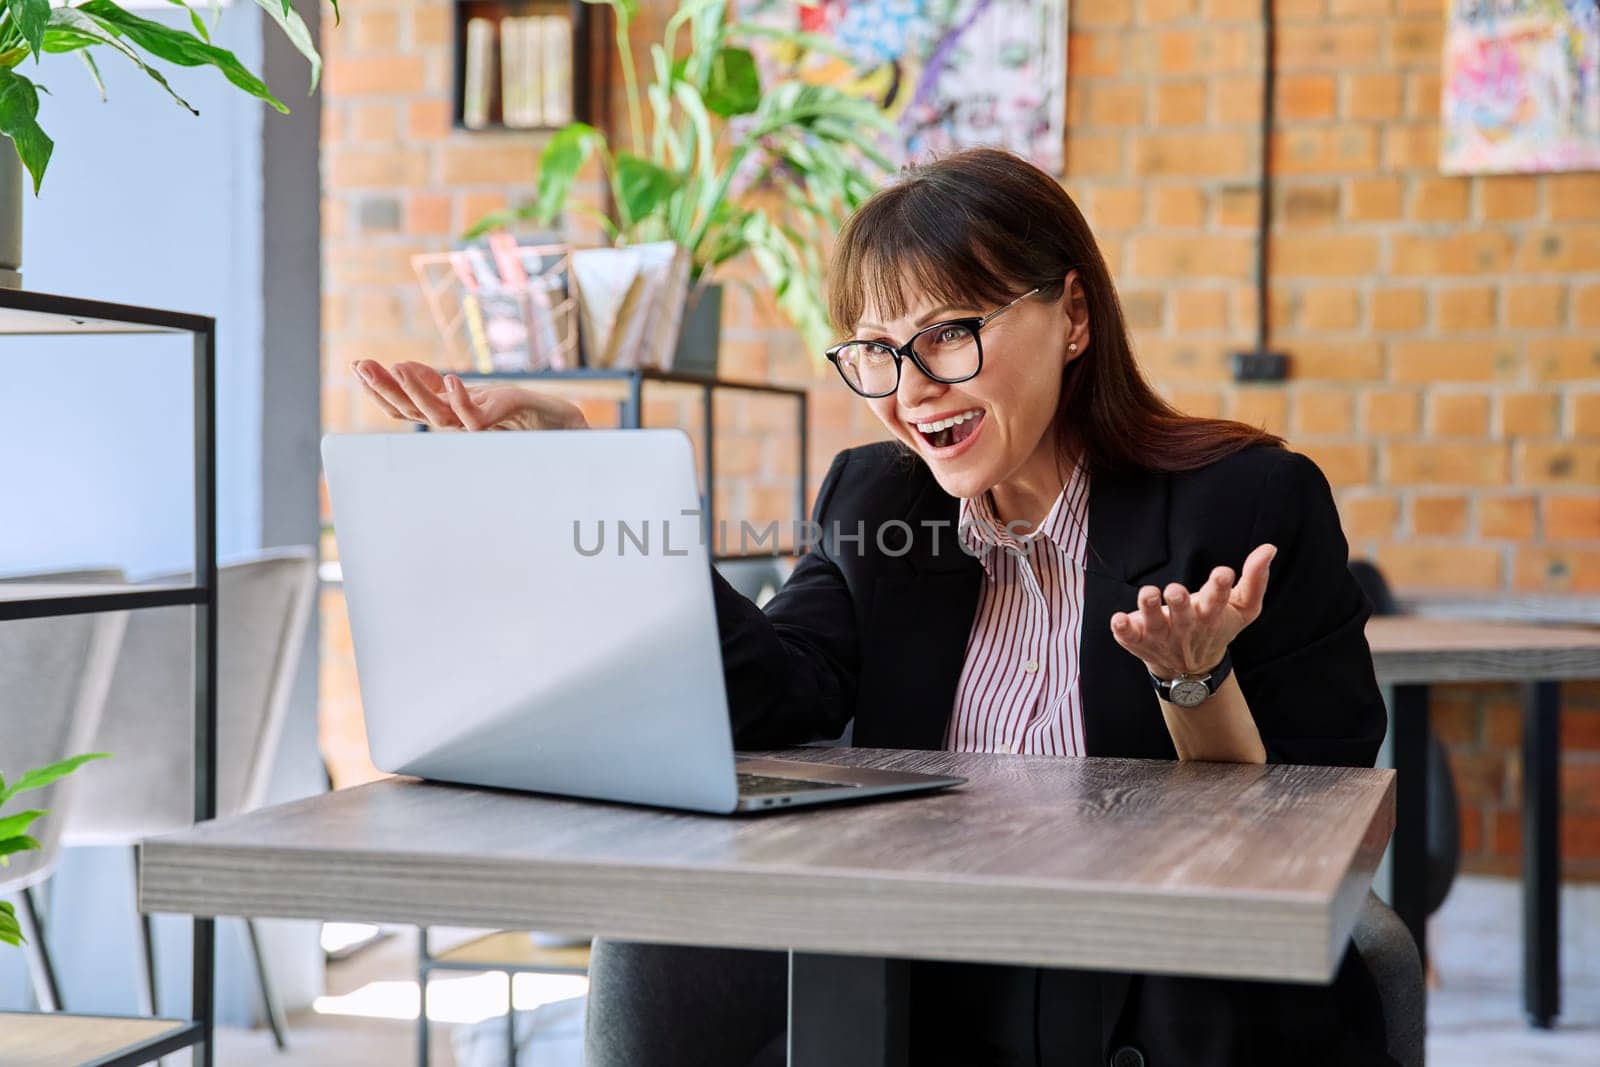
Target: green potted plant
point(14, 827)
point(728, 165)
point(34, 29)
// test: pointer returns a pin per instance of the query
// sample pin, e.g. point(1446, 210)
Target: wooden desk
point(1126, 865)
point(1410, 653)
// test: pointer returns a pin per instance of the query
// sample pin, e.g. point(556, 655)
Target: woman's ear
point(1075, 303)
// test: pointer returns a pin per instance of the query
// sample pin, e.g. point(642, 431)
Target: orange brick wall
point(1444, 332)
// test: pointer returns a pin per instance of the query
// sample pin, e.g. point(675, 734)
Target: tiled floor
point(1475, 1014)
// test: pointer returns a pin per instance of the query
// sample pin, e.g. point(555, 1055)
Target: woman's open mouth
point(951, 431)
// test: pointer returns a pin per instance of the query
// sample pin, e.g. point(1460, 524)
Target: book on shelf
point(556, 69)
point(478, 75)
point(535, 70)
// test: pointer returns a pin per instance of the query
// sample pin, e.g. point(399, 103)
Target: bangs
point(903, 247)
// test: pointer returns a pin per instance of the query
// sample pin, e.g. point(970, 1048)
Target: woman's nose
point(916, 387)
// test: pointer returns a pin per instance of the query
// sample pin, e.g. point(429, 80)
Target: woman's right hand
point(415, 392)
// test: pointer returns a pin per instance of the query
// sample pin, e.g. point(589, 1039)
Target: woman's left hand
point(1191, 632)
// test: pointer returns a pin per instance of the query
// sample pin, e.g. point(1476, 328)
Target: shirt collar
point(1064, 526)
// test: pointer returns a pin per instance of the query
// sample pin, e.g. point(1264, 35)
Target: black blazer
point(872, 626)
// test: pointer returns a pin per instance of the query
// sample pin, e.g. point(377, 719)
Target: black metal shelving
point(32, 314)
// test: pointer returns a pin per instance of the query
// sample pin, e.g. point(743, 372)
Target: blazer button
point(1127, 1056)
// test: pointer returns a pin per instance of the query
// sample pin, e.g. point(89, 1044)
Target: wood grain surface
point(1408, 648)
point(1213, 869)
point(55, 1039)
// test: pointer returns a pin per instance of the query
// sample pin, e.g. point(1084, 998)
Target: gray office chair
point(265, 603)
point(54, 674)
point(1386, 947)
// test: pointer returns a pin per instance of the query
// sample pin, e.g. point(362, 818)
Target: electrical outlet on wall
point(1260, 366)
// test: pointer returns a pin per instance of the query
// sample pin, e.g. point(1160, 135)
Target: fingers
point(463, 406)
point(1180, 609)
point(423, 386)
point(383, 387)
point(1252, 588)
point(1152, 620)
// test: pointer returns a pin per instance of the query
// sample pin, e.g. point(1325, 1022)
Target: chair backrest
point(1373, 583)
point(264, 603)
point(1391, 956)
point(54, 676)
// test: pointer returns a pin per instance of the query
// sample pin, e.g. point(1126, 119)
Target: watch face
point(1186, 693)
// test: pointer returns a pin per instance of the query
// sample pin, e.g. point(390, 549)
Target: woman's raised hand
point(415, 392)
point(1190, 632)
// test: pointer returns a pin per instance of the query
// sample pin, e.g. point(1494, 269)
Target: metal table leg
point(847, 1011)
point(1409, 889)
point(1541, 852)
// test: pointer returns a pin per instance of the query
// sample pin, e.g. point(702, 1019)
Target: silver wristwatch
point(1192, 690)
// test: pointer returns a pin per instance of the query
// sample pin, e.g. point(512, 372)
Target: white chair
point(264, 605)
point(54, 675)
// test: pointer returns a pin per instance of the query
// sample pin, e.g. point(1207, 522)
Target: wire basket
point(505, 307)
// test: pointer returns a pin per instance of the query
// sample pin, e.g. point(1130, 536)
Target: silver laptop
point(534, 611)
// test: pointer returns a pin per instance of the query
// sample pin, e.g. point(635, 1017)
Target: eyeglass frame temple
point(907, 351)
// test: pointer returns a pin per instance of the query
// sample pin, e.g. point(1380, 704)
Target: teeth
point(945, 424)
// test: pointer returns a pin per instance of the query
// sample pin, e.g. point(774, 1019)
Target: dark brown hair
point(982, 226)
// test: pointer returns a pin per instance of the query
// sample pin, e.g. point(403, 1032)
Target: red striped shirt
point(1019, 684)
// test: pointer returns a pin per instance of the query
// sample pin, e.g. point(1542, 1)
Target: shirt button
point(1031, 666)
point(1003, 748)
point(1127, 1056)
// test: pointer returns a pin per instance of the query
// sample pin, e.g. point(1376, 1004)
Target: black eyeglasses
point(948, 352)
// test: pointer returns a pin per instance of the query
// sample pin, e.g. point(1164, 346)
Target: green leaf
point(559, 164)
point(294, 28)
point(175, 46)
point(94, 73)
point(19, 106)
point(628, 9)
point(29, 17)
point(643, 187)
point(20, 843)
point(195, 20)
point(10, 931)
point(71, 29)
point(734, 85)
point(15, 825)
point(40, 777)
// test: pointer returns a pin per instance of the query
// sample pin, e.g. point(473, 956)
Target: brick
point(1166, 256)
point(1335, 360)
point(1094, 155)
point(484, 164)
point(1508, 517)
point(1458, 414)
point(1194, 155)
point(385, 168)
point(1237, 100)
point(1181, 103)
point(378, 214)
point(1199, 310)
point(1144, 309)
point(1307, 96)
point(1572, 518)
point(1118, 207)
point(1207, 50)
point(1453, 361)
point(1469, 308)
point(1585, 414)
point(1369, 517)
point(1325, 150)
point(1565, 359)
point(1094, 53)
point(428, 120)
point(1180, 205)
point(1586, 304)
point(1414, 463)
point(1507, 197)
point(1264, 406)
point(1327, 46)
point(351, 76)
point(1535, 306)
point(1439, 516)
point(1330, 308)
point(1342, 464)
point(1411, 146)
point(1106, 13)
point(475, 206)
point(1462, 253)
point(1323, 412)
point(430, 25)
point(1471, 835)
point(1372, 95)
point(1415, 42)
point(1238, 206)
point(1580, 727)
point(1374, 199)
point(371, 29)
point(1310, 205)
point(1167, 10)
point(1202, 403)
point(1573, 196)
point(1398, 309)
point(373, 124)
point(1505, 836)
point(1564, 248)
point(1557, 570)
point(1580, 788)
point(1441, 566)
point(1230, 10)
point(1184, 360)
point(1422, 94)
point(1523, 414)
point(1559, 463)
point(1348, 8)
point(1440, 199)
point(1116, 105)
point(427, 213)
point(1330, 255)
point(1388, 412)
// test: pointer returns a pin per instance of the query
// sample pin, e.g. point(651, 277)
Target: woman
point(1058, 580)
